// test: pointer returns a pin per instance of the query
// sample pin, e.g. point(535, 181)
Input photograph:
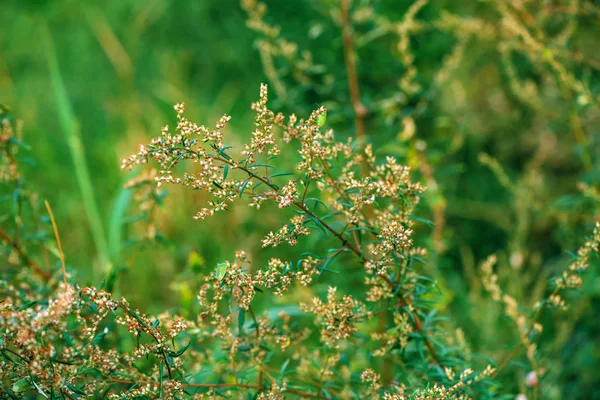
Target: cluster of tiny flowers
point(396, 337)
point(337, 318)
point(395, 238)
point(369, 204)
point(572, 277)
point(287, 196)
point(466, 378)
point(263, 138)
point(52, 344)
point(489, 279)
point(287, 233)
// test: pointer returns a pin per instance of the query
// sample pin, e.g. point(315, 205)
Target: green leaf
point(71, 129)
point(422, 220)
point(221, 151)
point(19, 143)
point(116, 224)
point(258, 289)
point(39, 389)
point(68, 338)
point(31, 304)
point(75, 389)
point(362, 228)
point(243, 187)
point(221, 270)
point(241, 320)
point(260, 165)
point(281, 174)
point(99, 337)
point(22, 385)
point(64, 362)
point(7, 357)
point(217, 184)
point(179, 352)
point(317, 201)
point(318, 224)
point(283, 367)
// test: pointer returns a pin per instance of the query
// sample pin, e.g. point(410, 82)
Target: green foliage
point(492, 105)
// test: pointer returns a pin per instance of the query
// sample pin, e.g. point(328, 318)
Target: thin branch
point(208, 385)
point(257, 326)
point(323, 371)
point(351, 247)
point(345, 243)
point(32, 264)
point(523, 338)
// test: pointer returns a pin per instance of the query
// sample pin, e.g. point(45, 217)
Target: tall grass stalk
point(70, 128)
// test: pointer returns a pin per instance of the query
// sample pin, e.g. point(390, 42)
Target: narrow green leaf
point(39, 389)
point(318, 224)
point(99, 337)
point(281, 174)
point(260, 165)
point(422, 220)
point(317, 202)
point(179, 352)
point(243, 187)
point(68, 338)
point(221, 152)
point(75, 389)
point(217, 184)
point(31, 304)
point(283, 367)
point(241, 320)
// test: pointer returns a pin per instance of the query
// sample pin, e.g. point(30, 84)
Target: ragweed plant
point(343, 247)
point(381, 339)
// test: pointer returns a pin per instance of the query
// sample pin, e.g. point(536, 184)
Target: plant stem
point(354, 249)
point(32, 264)
point(360, 110)
point(209, 385)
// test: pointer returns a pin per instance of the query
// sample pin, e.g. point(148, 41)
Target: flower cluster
point(337, 318)
point(74, 341)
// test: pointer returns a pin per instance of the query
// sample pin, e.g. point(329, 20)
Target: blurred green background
point(124, 65)
point(92, 80)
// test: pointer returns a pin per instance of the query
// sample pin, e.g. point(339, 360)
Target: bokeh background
point(509, 149)
point(124, 65)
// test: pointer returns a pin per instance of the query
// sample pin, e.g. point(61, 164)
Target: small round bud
point(531, 380)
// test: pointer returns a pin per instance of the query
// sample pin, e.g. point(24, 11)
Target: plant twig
point(257, 326)
point(209, 385)
point(522, 339)
point(32, 264)
point(345, 243)
point(351, 247)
